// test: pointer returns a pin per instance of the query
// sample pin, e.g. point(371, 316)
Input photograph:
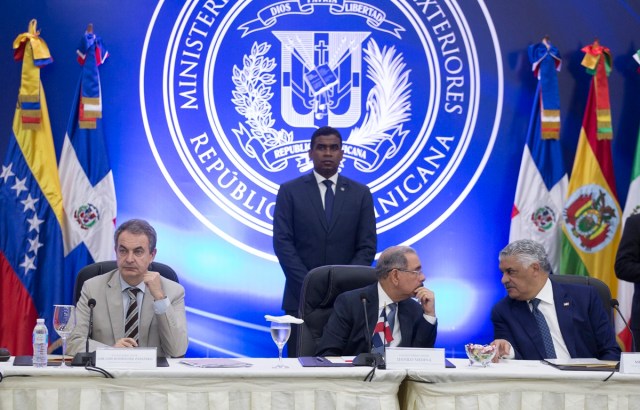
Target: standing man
point(540, 319)
point(627, 268)
point(413, 323)
point(134, 307)
point(321, 218)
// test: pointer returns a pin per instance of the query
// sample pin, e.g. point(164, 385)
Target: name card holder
point(127, 358)
point(414, 358)
point(630, 363)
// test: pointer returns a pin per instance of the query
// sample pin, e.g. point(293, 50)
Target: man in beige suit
point(134, 307)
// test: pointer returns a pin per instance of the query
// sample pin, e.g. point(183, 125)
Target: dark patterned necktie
point(328, 199)
point(544, 330)
point(131, 321)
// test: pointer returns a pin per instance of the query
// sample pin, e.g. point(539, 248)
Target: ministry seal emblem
point(232, 91)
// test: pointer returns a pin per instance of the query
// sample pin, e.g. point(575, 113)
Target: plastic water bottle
point(40, 344)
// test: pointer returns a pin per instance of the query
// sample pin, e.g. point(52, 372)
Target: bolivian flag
point(592, 215)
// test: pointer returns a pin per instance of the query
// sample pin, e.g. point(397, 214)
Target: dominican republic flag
point(85, 174)
point(542, 181)
point(592, 215)
point(31, 260)
point(382, 334)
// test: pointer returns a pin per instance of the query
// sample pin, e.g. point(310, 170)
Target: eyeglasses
point(415, 272)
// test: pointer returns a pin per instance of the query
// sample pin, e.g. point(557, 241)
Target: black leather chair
point(601, 287)
point(99, 268)
point(320, 288)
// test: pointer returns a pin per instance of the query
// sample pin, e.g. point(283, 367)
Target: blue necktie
point(544, 330)
point(328, 199)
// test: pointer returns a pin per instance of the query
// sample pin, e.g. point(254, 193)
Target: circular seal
point(232, 91)
point(591, 217)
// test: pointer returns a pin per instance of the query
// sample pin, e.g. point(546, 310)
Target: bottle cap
point(40, 321)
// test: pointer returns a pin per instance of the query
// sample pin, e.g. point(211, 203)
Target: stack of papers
point(211, 362)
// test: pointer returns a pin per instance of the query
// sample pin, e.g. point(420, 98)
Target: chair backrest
point(320, 288)
point(100, 268)
point(601, 288)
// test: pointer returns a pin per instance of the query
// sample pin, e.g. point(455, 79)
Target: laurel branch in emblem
point(377, 139)
point(591, 218)
point(86, 216)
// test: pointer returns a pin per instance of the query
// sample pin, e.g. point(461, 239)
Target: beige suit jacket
point(167, 332)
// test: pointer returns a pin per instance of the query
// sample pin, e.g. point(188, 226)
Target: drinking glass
point(280, 334)
point(64, 321)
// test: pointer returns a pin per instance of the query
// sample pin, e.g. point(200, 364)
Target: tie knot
point(132, 292)
point(535, 302)
point(328, 183)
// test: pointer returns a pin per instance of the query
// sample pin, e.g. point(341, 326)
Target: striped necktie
point(131, 321)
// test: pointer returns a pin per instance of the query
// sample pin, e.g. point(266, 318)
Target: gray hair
point(138, 227)
point(528, 252)
point(392, 258)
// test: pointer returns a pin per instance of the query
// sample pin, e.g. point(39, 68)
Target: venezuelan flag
point(592, 215)
point(31, 250)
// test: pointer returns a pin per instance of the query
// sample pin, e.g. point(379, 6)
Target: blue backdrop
point(208, 106)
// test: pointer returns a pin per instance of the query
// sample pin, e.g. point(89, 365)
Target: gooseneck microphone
point(616, 306)
point(86, 358)
point(368, 358)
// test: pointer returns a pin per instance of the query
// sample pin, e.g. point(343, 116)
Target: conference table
point(508, 385)
point(517, 384)
point(179, 386)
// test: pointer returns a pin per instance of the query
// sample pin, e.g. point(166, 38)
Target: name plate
point(630, 363)
point(414, 358)
point(126, 358)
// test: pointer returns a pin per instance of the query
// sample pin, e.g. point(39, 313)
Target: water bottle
point(40, 344)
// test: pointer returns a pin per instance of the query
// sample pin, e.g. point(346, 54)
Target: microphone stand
point(87, 358)
point(616, 306)
point(368, 358)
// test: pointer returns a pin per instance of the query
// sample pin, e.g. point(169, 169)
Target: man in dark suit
point(628, 268)
point(540, 319)
point(400, 279)
point(134, 307)
point(315, 225)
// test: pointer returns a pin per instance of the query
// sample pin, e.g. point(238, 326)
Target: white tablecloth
point(184, 387)
point(516, 385)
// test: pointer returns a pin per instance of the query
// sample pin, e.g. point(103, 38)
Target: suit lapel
point(524, 316)
point(372, 306)
point(114, 303)
point(406, 323)
point(144, 323)
point(564, 311)
point(342, 188)
point(313, 193)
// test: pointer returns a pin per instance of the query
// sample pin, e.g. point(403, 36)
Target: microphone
point(368, 358)
point(616, 306)
point(86, 358)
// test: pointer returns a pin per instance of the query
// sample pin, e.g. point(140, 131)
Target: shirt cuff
point(429, 318)
point(160, 306)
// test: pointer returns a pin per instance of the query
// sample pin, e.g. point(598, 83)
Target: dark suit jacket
point(303, 240)
point(628, 265)
point(584, 325)
point(345, 333)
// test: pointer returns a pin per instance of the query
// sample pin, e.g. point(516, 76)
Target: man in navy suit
point(628, 268)
point(577, 325)
point(400, 279)
point(308, 234)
